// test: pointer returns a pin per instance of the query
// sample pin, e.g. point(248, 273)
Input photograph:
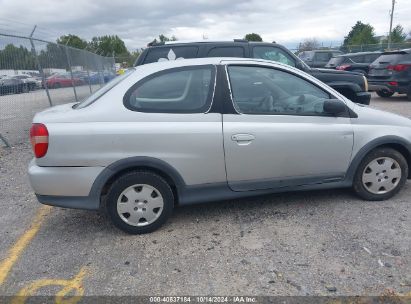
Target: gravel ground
point(307, 243)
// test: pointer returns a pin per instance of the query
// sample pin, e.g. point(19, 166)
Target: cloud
point(138, 22)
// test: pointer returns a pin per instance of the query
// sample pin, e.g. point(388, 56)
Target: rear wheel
point(381, 174)
point(140, 202)
point(409, 94)
point(384, 93)
point(57, 85)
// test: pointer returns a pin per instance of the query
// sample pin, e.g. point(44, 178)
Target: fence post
point(43, 77)
point(88, 71)
point(71, 71)
point(100, 73)
point(5, 141)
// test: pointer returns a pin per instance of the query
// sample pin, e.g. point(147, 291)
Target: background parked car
point(12, 86)
point(391, 73)
point(31, 82)
point(353, 62)
point(351, 85)
point(318, 58)
point(63, 80)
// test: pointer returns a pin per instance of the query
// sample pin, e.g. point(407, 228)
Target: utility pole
point(391, 17)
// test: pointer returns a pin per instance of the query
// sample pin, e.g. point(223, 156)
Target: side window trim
point(208, 103)
point(235, 107)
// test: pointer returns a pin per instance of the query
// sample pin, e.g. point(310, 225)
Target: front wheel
point(381, 174)
point(384, 93)
point(140, 202)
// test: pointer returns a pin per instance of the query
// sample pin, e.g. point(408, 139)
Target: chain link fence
point(36, 74)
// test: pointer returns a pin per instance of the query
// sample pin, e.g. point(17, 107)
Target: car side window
point(268, 91)
point(179, 90)
point(226, 51)
point(273, 54)
point(322, 56)
point(370, 58)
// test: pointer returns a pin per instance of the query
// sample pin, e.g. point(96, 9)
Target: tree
point(164, 38)
point(73, 41)
point(398, 35)
point(108, 46)
point(359, 34)
point(16, 58)
point(253, 37)
point(308, 45)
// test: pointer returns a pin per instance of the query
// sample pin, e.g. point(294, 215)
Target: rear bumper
point(384, 85)
point(72, 202)
point(64, 186)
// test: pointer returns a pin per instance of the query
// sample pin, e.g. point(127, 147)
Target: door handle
point(242, 138)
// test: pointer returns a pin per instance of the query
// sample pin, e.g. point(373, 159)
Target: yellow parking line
point(18, 248)
point(72, 292)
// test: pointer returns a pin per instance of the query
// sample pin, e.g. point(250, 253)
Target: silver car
point(199, 130)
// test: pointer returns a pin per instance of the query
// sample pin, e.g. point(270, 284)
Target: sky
point(138, 22)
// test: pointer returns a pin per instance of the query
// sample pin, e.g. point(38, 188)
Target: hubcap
point(381, 175)
point(140, 205)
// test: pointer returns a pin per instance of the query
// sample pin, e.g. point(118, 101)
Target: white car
point(198, 130)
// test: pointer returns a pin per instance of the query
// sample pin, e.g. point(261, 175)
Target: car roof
point(169, 64)
point(404, 51)
point(358, 54)
point(203, 42)
point(326, 51)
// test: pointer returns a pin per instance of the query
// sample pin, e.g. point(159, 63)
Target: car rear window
point(357, 59)
point(336, 61)
point(391, 58)
point(178, 90)
point(228, 51)
point(370, 57)
point(171, 53)
point(322, 56)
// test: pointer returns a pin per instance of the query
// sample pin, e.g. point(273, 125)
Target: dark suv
point(391, 73)
point(352, 85)
point(353, 62)
point(318, 58)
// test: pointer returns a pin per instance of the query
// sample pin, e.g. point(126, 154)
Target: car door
point(280, 135)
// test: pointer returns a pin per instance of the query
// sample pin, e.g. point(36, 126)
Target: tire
point(25, 89)
point(381, 174)
point(384, 93)
point(57, 85)
point(409, 94)
point(132, 205)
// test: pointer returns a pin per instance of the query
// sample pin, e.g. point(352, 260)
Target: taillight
point(343, 67)
point(39, 137)
point(398, 67)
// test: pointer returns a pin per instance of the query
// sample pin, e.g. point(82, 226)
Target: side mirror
point(334, 107)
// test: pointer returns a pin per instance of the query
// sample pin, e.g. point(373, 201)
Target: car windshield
point(97, 94)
